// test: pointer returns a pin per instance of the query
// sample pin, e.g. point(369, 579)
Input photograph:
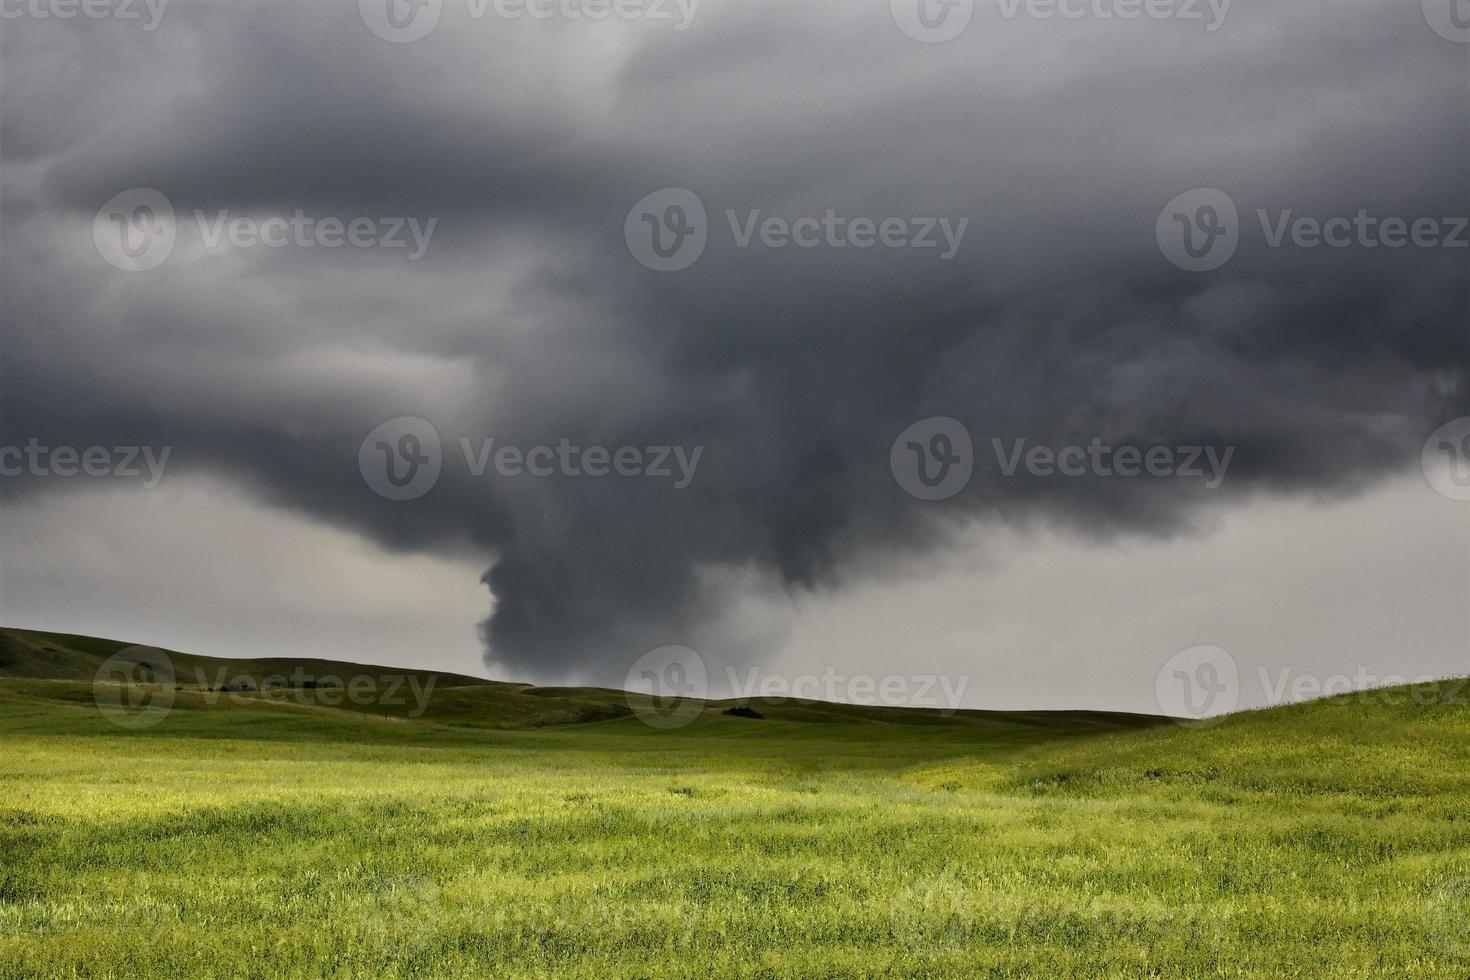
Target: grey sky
point(527, 320)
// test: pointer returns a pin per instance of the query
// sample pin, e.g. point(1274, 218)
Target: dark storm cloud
point(528, 321)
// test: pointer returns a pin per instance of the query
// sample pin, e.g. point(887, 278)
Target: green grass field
point(251, 837)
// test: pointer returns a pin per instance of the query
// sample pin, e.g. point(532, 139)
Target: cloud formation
point(527, 320)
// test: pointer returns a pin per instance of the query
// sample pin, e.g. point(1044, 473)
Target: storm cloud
point(793, 369)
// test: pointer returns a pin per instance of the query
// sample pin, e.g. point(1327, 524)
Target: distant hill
point(61, 667)
point(67, 656)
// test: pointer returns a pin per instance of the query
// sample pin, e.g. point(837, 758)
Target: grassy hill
point(39, 666)
point(66, 656)
point(1329, 839)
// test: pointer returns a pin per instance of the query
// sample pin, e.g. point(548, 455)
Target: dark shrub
point(743, 712)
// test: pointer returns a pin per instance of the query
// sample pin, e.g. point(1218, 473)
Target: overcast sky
point(879, 434)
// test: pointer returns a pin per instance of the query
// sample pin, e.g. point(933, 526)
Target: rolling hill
point(62, 667)
point(506, 833)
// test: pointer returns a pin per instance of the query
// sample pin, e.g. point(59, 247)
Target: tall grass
point(1324, 840)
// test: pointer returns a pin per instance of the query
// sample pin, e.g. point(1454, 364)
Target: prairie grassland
point(1329, 839)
